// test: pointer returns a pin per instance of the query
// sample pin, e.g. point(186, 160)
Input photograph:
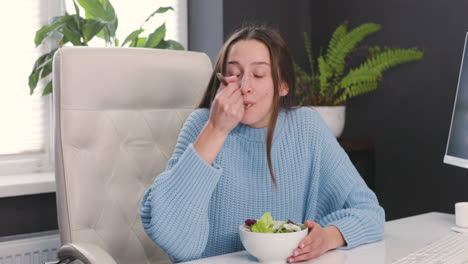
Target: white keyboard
point(451, 249)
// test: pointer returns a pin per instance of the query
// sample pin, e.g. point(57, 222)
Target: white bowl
point(271, 248)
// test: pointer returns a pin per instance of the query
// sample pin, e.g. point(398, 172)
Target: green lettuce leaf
point(260, 227)
point(264, 224)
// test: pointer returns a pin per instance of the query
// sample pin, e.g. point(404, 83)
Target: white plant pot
point(334, 117)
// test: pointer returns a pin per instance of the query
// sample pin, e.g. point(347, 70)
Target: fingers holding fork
point(221, 78)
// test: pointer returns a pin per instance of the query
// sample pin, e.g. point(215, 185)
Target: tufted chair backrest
point(118, 112)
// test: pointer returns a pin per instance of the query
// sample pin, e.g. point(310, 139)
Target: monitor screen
point(457, 144)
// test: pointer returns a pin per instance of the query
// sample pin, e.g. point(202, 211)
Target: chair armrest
point(86, 253)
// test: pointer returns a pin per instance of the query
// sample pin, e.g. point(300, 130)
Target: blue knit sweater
point(194, 209)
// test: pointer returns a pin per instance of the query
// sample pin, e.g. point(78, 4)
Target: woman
point(247, 151)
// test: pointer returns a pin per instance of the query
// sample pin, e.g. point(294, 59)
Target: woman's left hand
point(318, 241)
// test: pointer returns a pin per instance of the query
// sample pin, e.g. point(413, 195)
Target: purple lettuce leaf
point(250, 222)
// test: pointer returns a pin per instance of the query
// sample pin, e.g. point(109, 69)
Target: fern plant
point(329, 82)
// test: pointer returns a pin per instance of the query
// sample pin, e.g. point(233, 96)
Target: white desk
point(402, 237)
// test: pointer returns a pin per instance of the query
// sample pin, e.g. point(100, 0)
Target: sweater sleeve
point(345, 201)
point(174, 210)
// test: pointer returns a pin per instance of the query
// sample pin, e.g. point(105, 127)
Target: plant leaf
point(155, 37)
point(338, 34)
point(359, 75)
point(109, 9)
point(77, 9)
point(140, 42)
point(40, 61)
point(108, 32)
point(38, 68)
point(77, 17)
point(391, 58)
point(374, 51)
point(46, 30)
point(39, 73)
point(337, 53)
point(306, 88)
point(325, 74)
point(310, 57)
point(33, 79)
point(47, 68)
point(91, 28)
point(159, 11)
point(132, 37)
point(71, 32)
point(170, 44)
point(103, 10)
point(357, 89)
point(112, 26)
point(373, 68)
point(48, 89)
point(97, 9)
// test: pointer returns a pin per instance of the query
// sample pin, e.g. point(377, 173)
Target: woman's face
point(250, 61)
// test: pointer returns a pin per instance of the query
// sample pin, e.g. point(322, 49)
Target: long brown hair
point(282, 71)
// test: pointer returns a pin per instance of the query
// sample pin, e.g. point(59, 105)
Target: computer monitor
point(457, 144)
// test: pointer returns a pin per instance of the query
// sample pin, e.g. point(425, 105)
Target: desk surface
point(402, 236)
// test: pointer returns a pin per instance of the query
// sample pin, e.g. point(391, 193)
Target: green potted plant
point(331, 80)
point(99, 20)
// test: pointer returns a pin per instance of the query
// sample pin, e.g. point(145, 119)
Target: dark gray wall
point(290, 19)
point(205, 22)
point(408, 117)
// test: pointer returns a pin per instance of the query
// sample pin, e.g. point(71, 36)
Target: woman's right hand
point(227, 109)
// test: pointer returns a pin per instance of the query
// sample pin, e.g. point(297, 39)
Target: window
point(25, 140)
point(26, 131)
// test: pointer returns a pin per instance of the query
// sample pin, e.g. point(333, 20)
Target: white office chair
point(118, 112)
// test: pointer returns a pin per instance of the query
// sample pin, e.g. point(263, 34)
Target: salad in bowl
point(271, 241)
point(266, 224)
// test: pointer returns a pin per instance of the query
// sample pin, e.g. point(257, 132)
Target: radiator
point(33, 249)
